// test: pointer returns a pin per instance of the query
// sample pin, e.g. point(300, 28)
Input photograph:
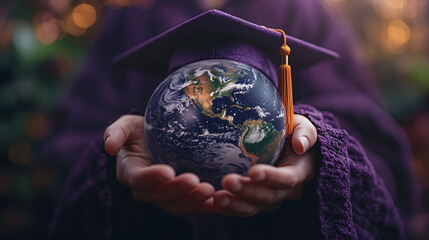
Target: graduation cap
point(218, 35)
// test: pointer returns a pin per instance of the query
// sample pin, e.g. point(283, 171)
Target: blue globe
point(215, 117)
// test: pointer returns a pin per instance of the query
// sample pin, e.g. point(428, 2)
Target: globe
point(215, 117)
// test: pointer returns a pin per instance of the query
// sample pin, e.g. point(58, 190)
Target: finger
point(198, 201)
point(168, 191)
point(173, 190)
point(234, 182)
point(290, 173)
point(304, 135)
point(229, 205)
point(139, 176)
point(120, 131)
point(253, 192)
point(203, 192)
point(199, 194)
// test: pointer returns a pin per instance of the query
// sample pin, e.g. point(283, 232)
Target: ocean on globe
point(215, 117)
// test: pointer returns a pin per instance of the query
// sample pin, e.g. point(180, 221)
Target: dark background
point(42, 43)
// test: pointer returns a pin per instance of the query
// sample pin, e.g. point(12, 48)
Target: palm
point(156, 184)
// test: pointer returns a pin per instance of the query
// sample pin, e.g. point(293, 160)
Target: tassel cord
point(285, 84)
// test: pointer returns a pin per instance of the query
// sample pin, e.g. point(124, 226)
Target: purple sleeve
point(83, 211)
point(353, 200)
point(346, 199)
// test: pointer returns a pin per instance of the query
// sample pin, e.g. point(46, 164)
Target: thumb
point(122, 130)
point(304, 135)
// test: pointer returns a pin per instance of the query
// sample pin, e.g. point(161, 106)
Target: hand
point(156, 184)
point(266, 186)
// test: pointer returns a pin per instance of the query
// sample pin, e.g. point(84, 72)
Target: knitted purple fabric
point(346, 200)
point(218, 35)
point(354, 203)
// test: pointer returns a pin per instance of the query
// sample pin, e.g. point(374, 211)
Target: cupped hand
point(156, 184)
point(266, 186)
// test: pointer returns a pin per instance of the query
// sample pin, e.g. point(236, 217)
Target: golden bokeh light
point(398, 32)
point(396, 37)
point(84, 15)
point(46, 27)
point(70, 27)
point(395, 4)
point(47, 33)
point(389, 9)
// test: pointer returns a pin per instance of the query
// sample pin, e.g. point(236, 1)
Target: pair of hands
point(264, 189)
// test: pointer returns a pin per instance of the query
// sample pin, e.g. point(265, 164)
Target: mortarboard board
point(218, 35)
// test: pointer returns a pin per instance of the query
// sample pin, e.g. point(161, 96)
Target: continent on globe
point(209, 84)
point(215, 117)
point(260, 140)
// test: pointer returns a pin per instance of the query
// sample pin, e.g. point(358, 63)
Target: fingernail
point(305, 143)
point(107, 139)
point(224, 202)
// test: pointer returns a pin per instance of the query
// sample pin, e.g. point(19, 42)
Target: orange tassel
point(286, 95)
point(285, 85)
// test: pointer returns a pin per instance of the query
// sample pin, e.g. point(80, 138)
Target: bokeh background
point(42, 43)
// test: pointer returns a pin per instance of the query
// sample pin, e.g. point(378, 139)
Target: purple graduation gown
point(351, 195)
